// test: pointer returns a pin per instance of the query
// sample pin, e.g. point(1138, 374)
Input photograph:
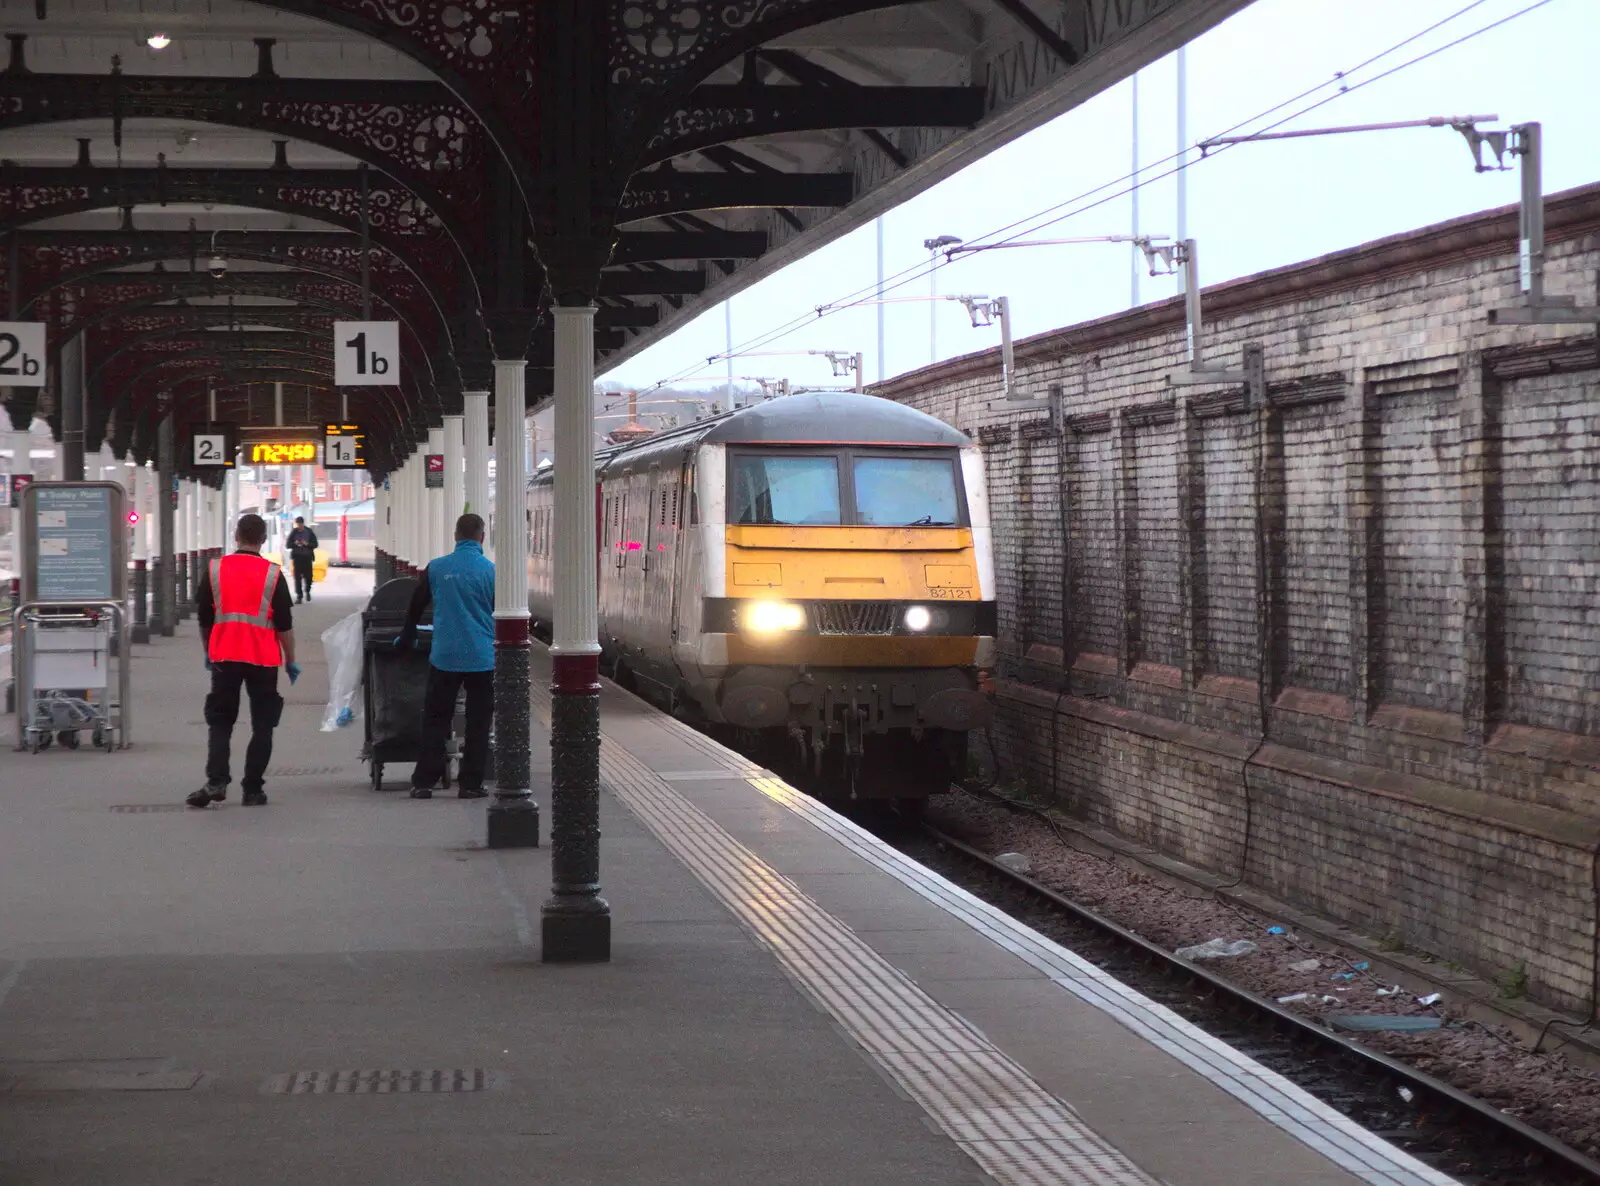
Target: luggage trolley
point(394, 685)
point(72, 625)
point(63, 660)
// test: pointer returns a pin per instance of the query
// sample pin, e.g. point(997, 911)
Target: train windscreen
point(855, 486)
point(906, 492)
point(791, 491)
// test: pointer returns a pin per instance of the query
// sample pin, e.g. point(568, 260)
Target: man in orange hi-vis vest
point(244, 611)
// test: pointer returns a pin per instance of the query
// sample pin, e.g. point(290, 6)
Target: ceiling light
point(158, 41)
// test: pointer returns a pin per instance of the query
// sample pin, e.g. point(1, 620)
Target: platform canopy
point(461, 167)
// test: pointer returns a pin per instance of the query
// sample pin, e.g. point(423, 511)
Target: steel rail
point(1510, 1128)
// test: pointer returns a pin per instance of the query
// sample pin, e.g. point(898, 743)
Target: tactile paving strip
point(1015, 1130)
point(1368, 1157)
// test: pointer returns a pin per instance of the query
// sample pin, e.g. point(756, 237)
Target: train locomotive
point(813, 573)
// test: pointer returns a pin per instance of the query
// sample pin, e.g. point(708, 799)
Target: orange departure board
point(283, 453)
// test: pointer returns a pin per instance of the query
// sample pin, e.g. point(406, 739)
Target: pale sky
point(1254, 207)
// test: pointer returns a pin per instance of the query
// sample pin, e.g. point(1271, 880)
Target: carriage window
point(785, 490)
point(905, 492)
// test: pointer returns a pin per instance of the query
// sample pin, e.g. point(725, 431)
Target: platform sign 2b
point(366, 353)
point(22, 353)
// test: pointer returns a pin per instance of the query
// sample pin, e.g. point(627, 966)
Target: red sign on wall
point(433, 471)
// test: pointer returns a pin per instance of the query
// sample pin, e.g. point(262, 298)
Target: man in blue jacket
point(460, 587)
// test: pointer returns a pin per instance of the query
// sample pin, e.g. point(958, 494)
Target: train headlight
point(918, 617)
point(774, 617)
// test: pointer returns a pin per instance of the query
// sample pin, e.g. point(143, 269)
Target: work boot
point(471, 793)
point(207, 795)
point(254, 799)
point(422, 792)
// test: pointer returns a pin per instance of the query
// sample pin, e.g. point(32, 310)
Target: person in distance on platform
point(247, 627)
point(302, 548)
point(460, 587)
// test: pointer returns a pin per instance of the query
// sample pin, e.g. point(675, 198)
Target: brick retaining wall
point(1401, 557)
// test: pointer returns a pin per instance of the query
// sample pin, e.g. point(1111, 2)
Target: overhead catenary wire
point(1150, 174)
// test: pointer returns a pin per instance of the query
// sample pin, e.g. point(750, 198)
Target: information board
point(433, 471)
point(343, 447)
point(22, 353)
point(366, 353)
point(74, 548)
point(213, 446)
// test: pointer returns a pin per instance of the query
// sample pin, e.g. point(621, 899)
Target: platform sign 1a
point(366, 353)
point(344, 446)
point(22, 353)
point(73, 543)
point(433, 471)
point(213, 446)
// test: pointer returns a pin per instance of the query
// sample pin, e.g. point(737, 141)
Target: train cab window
point(792, 491)
point(906, 492)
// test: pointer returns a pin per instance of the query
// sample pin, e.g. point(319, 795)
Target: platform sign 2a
point(213, 446)
point(343, 446)
point(433, 471)
point(366, 353)
point(22, 353)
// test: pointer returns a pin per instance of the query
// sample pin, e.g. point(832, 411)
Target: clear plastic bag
point(342, 645)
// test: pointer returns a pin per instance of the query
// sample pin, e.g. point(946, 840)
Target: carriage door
point(685, 597)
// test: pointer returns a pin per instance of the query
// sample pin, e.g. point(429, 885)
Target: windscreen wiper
point(930, 521)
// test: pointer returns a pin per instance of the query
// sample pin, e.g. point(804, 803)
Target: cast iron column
point(440, 540)
point(476, 441)
point(513, 816)
point(69, 386)
point(185, 546)
point(167, 582)
point(576, 922)
point(455, 488)
point(139, 485)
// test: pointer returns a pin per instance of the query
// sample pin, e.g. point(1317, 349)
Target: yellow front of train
point(852, 588)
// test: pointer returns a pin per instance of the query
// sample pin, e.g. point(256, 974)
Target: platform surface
point(345, 986)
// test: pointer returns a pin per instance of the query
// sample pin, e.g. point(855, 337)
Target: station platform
point(345, 986)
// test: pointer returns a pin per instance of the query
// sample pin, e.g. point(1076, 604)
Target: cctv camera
point(218, 267)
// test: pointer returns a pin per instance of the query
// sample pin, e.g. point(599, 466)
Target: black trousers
point(439, 706)
point(302, 575)
point(222, 711)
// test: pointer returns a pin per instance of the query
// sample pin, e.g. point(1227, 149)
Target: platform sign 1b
point(22, 353)
point(366, 353)
point(343, 446)
point(433, 471)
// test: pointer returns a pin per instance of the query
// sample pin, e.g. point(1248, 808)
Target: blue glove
point(294, 671)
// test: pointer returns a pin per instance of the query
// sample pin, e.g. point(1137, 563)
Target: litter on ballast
point(1373, 1022)
point(1217, 949)
point(1407, 1094)
point(1362, 966)
point(1276, 931)
point(1293, 997)
point(1342, 976)
point(1433, 998)
point(1015, 861)
point(1387, 992)
point(1305, 965)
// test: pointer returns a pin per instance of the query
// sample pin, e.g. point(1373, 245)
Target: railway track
point(1448, 1129)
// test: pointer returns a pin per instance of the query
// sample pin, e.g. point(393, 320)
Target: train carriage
point(815, 570)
